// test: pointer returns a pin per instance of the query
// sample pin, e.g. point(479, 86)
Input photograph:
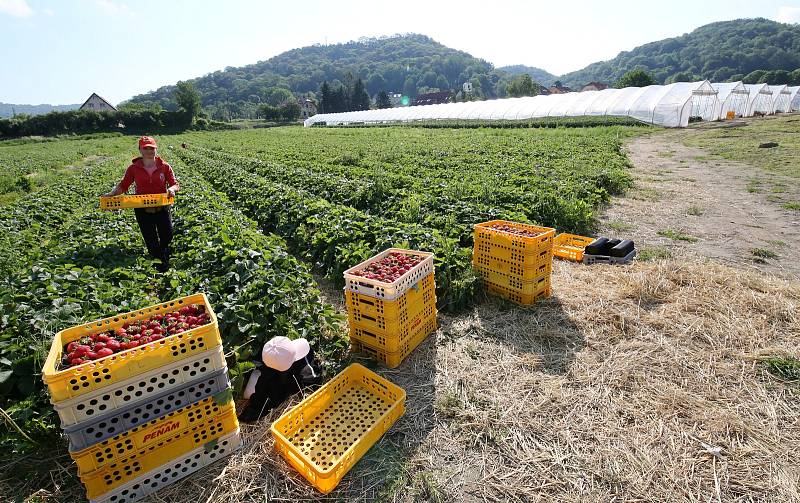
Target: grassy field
point(637, 383)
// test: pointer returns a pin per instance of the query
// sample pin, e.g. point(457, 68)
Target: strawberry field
point(262, 216)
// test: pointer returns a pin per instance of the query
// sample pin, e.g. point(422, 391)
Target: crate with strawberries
point(391, 304)
point(130, 335)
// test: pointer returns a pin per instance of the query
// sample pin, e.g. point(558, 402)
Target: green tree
point(188, 100)
point(383, 100)
point(325, 98)
point(269, 113)
point(277, 95)
point(635, 78)
point(522, 85)
point(359, 99)
point(290, 111)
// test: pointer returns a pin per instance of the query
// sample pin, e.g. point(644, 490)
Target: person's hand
point(108, 194)
point(171, 192)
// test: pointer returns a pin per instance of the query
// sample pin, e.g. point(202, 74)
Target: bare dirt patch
point(688, 203)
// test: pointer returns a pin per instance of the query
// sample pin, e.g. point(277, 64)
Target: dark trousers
point(156, 230)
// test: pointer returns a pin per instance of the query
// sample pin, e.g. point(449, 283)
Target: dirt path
point(687, 203)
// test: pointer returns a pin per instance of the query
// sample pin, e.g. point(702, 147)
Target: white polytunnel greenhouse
point(671, 105)
point(731, 97)
point(781, 98)
point(794, 100)
point(759, 101)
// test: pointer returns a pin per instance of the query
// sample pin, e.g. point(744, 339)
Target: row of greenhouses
point(671, 105)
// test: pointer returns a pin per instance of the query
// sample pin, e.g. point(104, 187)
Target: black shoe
point(250, 414)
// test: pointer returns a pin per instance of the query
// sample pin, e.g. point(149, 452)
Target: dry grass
point(638, 383)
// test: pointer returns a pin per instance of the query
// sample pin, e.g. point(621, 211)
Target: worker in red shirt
point(152, 175)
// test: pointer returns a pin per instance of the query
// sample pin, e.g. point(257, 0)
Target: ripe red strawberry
point(104, 352)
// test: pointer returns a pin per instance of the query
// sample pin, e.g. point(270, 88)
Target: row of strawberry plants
point(94, 266)
point(336, 237)
point(556, 178)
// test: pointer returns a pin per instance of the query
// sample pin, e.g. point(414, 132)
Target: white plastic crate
point(105, 401)
point(389, 291)
point(172, 471)
point(87, 433)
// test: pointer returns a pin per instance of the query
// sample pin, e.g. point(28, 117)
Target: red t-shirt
point(157, 182)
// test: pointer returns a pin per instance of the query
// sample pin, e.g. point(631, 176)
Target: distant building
point(396, 99)
point(307, 108)
point(434, 98)
point(594, 86)
point(559, 89)
point(97, 104)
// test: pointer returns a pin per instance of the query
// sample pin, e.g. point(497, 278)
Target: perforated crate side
point(142, 461)
point(393, 359)
point(105, 402)
point(173, 470)
point(146, 433)
point(510, 268)
point(135, 201)
point(389, 291)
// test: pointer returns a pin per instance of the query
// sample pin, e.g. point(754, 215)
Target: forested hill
point(408, 64)
point(728, 50)
point(10, 109)
point(543, 77)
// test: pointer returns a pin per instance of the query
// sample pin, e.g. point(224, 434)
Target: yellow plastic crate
point(75, 381)
point(135, 201)
point(327, 433)
point(542, 291)
point(401, 326)
point(394, 338)
point(570, 246)
point(373, 347)
point(366, 305)
point(173, 470)
point(513, 282)
point(162, 429)
point(523, 272)
point(509, 246)
point(109, 477)
point(389, 291)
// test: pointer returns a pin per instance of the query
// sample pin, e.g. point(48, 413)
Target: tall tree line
point(346, 97)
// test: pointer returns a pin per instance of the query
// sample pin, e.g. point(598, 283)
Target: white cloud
point(16, 8)
point(788, 15)
point(48, 12)
point(113, 7)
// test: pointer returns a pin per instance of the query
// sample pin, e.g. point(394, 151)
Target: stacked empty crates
point(388, 320)
point(142, 418)
point(514, 260)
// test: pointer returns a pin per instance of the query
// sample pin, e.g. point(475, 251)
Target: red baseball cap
point(147, 141)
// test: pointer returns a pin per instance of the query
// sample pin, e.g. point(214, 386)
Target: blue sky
point(59, 52)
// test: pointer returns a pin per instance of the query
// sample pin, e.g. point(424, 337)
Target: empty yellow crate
point(135, 201)
point(523, 272)
point(542, 291)
point(109, 477)
point(75, 381)
point(366, 305)
point(371, 346)
point(158, 430)
point(570, 246)
point(323, 436)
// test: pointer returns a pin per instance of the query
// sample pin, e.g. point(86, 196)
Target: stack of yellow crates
point(514, 260)
point(388, 320)
point(139, 419)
